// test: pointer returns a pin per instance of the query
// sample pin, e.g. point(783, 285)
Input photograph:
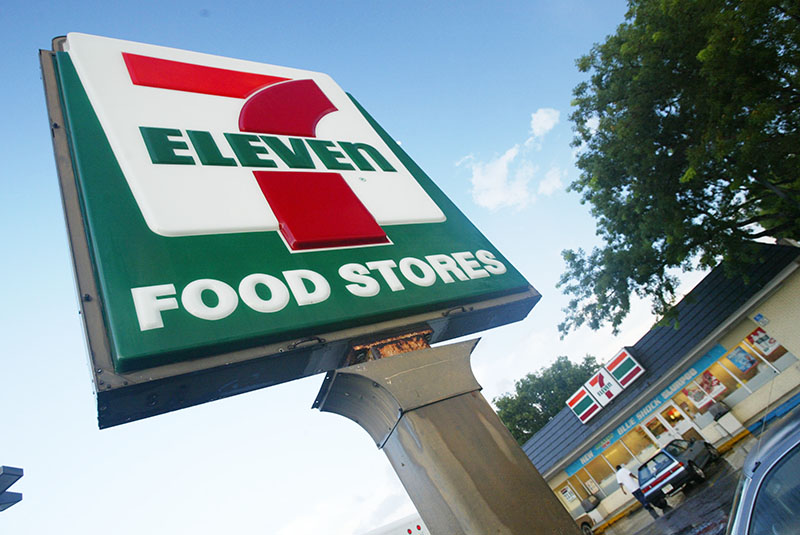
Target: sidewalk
point(707, 506)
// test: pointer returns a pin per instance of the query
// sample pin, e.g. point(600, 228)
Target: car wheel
point(697, 474)
point(586, 529)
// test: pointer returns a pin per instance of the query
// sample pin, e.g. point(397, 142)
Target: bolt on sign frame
point(235, 225)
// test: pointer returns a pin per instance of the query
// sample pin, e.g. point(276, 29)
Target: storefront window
point(640, 444)
point(616, 454)
point(770, 349)
point(742, 362)
point(695, 402)
point(569, 497)
point(743, 370)
point(692, 400)
point(602, 474)
point(578, 487)
point(572, 493)
point(717, 383)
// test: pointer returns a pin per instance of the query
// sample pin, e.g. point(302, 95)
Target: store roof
point(701, 311)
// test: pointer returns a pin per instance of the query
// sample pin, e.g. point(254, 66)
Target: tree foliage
point(541, 395)
point(689, 129)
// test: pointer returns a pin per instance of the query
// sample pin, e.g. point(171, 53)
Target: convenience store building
point(732, 361)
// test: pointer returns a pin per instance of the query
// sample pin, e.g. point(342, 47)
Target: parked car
point(585, 522)
point(767, 499)
point(677, 463)
point(590, 517)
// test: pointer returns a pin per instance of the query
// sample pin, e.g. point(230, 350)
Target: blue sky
point(478, 94)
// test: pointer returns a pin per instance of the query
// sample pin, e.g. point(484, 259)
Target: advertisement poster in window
point(743, 360)
point(762, 341)
point(711, 385)
point(568, 495)
point(698, 397)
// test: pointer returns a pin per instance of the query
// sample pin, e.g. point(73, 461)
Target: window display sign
point(743, 360)
point(697, 396)
point(223, 211)
point(711, 385)
point(762, 341)
point(567, 494)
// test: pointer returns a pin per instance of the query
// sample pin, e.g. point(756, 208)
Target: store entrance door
point(680, 422)
point(660, 430)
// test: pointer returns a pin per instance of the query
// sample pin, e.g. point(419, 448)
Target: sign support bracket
point(461, 467)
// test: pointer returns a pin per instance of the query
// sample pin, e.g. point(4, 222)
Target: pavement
point(697, 510)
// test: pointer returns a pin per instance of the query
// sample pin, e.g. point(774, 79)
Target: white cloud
point(503, 181)
point(525, 170)
point(492, 185)
point(469, 158)
point(543, 120)
point(552, 181)
point(497, 371)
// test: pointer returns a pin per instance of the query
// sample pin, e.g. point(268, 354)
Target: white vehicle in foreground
point(409, 525)
point(413, 525)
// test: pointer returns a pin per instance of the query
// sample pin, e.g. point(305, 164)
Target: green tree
point(541, 395)
point(689, 129)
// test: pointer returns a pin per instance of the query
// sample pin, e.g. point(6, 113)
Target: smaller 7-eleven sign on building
point(583, 405)
point(605, 385)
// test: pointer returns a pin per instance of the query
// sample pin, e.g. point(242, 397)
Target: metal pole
point(459, 464)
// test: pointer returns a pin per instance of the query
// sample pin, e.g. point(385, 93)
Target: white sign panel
point(210, 144)
point(603, 387)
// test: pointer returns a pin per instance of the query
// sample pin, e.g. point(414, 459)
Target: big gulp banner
point(230, 204)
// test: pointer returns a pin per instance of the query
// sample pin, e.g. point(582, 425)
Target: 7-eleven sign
point(624, 368)
point(214, 145)
point(583, 405)
point(603, 387)
point(237, 224)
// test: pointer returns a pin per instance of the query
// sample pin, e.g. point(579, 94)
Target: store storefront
point(745, 364)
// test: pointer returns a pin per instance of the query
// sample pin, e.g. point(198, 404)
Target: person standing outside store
point(628, 481)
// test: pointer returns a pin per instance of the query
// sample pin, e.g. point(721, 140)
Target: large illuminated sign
point(245, 223)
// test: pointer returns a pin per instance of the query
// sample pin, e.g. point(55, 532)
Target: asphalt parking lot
point(698, 510)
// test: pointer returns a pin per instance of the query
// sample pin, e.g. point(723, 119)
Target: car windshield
point(777, 504)
point(652, 467)
point(676, 447)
